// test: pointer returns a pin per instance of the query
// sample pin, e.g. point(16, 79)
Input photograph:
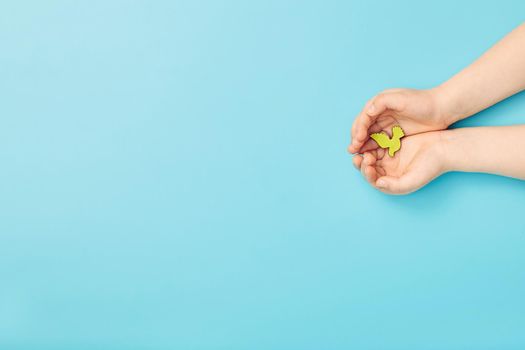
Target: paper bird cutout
point(393, 144)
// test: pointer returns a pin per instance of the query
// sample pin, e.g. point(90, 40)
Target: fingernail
point(381, 183)
point(371, 109)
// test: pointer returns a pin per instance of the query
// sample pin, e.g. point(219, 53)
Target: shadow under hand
point(458, 187)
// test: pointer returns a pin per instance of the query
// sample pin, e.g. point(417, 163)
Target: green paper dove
point(393, 144)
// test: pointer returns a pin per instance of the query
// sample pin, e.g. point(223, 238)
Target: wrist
point(445, 111)
point(452, 151)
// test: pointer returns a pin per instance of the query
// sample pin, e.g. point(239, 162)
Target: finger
point(350, 147)
point(388, 184)
point(371, 174)
point(398, 185)
point(369, 145)
point(380, 153)
point(370, 157)
point(392, 101)
point(382, 102)
point(392, 90)
point(367, 167)
point(355, 143)
point(371, 171)
point(363, 123)
point(378, 126)
point(374, 154)
point(364, 164)
point(357, 160)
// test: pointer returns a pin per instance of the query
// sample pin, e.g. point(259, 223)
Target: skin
point(416, 111)
point(425, 114)
point(426, 156)
point(420, 160)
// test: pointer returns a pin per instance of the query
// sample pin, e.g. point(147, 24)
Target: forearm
point(496, 75)
point(495, 150)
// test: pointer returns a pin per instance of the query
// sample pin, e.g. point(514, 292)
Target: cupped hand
point(416, 111)
point(420, 160)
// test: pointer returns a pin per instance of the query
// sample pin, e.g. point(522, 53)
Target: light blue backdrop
point(174, 176)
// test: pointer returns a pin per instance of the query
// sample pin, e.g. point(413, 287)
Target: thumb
point(397, 185)
point(392, 100)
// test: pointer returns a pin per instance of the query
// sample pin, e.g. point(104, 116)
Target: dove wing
point(397, 132)
point(381, 139)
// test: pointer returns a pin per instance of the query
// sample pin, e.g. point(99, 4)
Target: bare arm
point(495, 150)
point(496, 75)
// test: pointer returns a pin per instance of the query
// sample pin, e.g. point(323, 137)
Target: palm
point(414, 110)
point(412, 123)
point(416, 164)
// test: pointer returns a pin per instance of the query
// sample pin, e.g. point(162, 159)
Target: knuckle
point(379, 98)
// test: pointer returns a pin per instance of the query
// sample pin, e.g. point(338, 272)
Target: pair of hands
point(422, 155)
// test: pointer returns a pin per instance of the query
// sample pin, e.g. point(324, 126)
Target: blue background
point(174, 176)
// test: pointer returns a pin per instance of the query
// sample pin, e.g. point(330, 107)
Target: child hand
point(420, 160)
point(415, 111)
